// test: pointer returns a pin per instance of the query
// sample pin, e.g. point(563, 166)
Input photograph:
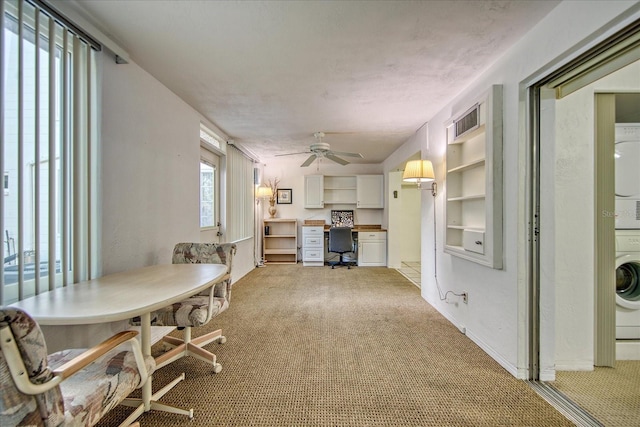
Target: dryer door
point(627, 166)
point(628, 282)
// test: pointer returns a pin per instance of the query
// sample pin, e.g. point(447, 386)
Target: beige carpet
point(612, 395)
point(320, 347)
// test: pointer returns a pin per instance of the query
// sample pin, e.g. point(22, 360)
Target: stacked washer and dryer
point(627, 185)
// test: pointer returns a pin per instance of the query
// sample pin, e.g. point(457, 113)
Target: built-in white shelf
point(473, 207)
point(464, 227)
point(467, 166)
point(463, 198)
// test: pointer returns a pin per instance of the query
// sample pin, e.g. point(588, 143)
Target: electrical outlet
point(465, 297)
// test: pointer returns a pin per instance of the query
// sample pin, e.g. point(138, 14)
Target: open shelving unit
point(340, 189)
point(280, 246)
point(474, 182)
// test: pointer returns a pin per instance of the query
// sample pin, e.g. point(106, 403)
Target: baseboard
point(508, 366)
point(547, 374)
point(574, 366)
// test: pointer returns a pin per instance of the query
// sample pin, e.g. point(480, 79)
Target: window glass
point(47, 77)
point(207, 195)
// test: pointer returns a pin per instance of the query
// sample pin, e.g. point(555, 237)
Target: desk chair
point(198, 309)
point(340, 241)
point(69, 387)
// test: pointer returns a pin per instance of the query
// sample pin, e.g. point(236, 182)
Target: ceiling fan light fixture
point(320, 150)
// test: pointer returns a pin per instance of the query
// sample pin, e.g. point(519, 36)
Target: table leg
point(145, 338)
point(149, 399)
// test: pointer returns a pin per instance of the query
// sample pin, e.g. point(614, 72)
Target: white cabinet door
point(313, 191)
point(372, 254)
point(370, 191)
point(372, 249)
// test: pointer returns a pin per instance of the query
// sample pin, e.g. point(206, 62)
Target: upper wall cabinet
point(364, 191)
point(474, 182)
point(370, 191)
point(314, 191)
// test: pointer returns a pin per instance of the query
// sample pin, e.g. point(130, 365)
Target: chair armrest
point(82, 360)
point(19, 371)
point(94, 353)
point(220, 291)
point(227, 278)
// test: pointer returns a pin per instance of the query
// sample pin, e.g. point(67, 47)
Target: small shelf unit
point(340, 189)
point(474, 182)
point(280, 245)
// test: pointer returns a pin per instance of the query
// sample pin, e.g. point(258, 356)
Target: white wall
point(495, 315)
point(150, 154)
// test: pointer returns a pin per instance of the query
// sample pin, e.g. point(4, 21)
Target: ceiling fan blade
point(291, 154)
point(308, 161)
point(331, 156)
point(341, 153)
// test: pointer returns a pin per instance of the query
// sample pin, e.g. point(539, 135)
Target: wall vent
point(468, 122)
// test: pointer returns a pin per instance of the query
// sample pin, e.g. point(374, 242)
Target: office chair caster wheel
point(222, 340)
point(217, 368)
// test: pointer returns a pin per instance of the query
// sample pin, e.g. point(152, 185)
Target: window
point(208, 136)
point(207, 195)
point(48, 103)
point(240, 224)
point(209, 185)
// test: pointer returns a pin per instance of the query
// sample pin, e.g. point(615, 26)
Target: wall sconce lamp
point(263, 192)
point(420, 171)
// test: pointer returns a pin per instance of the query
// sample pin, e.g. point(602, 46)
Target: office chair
point(69, 387)
point(340, 241)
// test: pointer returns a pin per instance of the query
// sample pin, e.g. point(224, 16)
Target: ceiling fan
point(321, 150)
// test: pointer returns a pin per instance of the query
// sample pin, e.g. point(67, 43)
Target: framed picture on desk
point(342, 218)
point(284, 196)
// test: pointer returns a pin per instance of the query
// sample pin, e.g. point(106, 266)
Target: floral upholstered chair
point(199, 309)
point(66, 388)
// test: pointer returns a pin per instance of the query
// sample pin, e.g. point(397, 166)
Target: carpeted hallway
point(358, 347)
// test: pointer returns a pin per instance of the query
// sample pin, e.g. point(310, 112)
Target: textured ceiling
point(271, 73)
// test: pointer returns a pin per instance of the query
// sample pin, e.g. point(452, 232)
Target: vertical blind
point(239, 196)
point(48, 119)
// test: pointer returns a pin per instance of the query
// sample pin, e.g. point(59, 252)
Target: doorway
point(572, 310)
point(405, 221)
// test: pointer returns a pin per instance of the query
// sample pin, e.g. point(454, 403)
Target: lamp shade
point(418, 171)
point(263, 192)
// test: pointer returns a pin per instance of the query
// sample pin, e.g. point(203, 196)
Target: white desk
point(122, 296)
